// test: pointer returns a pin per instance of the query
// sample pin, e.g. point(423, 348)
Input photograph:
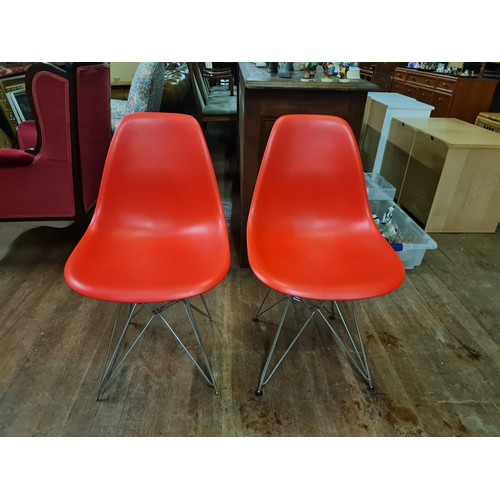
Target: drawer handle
point(427, 81)
point(445, 84)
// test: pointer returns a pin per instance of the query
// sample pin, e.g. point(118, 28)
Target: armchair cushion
point(15, 158)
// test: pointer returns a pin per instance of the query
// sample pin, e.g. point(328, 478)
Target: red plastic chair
point(311, 234)
point(158, 235)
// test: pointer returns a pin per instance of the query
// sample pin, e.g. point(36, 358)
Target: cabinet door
point(422, 175)
point(396, 153)
point(442, 104)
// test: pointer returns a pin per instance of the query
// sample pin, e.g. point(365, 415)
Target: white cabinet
point(380, 108)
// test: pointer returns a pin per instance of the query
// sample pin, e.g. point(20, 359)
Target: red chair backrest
point(159, 176)
point(311, 176)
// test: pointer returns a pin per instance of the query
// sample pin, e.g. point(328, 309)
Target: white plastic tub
point(378, 188)
point(415, 241)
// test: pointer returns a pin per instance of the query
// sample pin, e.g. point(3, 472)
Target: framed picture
point(14, 104)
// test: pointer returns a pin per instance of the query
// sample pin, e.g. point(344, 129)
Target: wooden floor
point(433, 349)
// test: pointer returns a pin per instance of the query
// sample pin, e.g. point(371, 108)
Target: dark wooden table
point(264, 97)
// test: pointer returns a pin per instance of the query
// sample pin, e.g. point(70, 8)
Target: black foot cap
point(255, 320)
point(332, 317)
point(370, 389)
point(259, 394)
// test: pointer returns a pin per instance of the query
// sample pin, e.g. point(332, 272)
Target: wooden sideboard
point(446, 173)
point(262, 98)
point(452, 96)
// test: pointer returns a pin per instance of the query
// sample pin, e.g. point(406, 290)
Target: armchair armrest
point(15, 158)
point(27, 135)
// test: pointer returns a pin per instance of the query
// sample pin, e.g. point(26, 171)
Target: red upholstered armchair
point(56, 173)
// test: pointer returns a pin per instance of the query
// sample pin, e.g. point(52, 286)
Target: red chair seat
point(137, 267)
point(328, 264)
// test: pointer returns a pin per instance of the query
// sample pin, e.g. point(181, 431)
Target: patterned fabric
point(146, 91)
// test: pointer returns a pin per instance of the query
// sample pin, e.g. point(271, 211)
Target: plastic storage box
point(415, 241)
point(378, 188)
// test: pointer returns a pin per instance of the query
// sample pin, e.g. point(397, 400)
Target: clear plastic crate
point(378, 188)
point(415, 241)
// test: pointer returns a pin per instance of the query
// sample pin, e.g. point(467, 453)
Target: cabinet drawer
point(426, 96)
point(410, 91)
point(422, 79)
point(442, 104)
point(400, 74)
point(446, 84)
point(398, 87)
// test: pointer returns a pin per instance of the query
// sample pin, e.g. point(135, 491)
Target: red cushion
point(15, 158)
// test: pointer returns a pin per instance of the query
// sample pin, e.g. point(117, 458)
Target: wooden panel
point(368, 148)
point(396, 154)
point(467, 198)
point(422, 175)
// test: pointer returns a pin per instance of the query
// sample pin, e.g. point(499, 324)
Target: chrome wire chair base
point(112, 365)
point(350, 343)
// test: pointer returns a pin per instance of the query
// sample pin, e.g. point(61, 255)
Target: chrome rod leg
point(255, 316)
point(186, 350)
point(290, 347)
point(330, 311)
point(197, 334)
point(259, 312)
point(112, 370)
point(206, 307)
point(359, 361)
point(109, 362)
point(206, 312)
point(263, 379)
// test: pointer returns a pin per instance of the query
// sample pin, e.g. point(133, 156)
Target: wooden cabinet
point(451, 96)
point(446, 173)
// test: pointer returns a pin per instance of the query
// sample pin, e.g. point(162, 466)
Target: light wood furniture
point(262, 98)
point(380, 108)
point(451, 96)
point(446, 173)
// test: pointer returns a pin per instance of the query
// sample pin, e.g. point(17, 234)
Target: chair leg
point(354, 342)
point(209, 377)
point(264, 379)
point(259, 311)
point(205, 313)
point(111, 366)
